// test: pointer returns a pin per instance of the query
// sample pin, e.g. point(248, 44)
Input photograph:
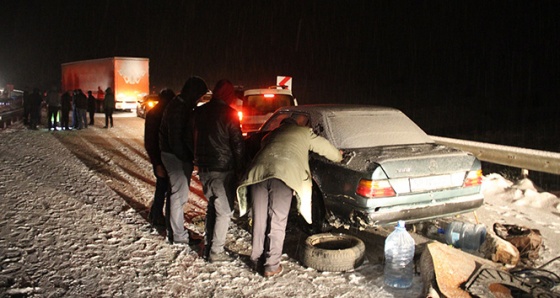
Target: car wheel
point(318, 215)
point(333, 252)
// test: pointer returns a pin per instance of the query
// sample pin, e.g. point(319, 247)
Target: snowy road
point(74, 225)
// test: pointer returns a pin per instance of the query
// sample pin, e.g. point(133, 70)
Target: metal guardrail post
point(536, 160)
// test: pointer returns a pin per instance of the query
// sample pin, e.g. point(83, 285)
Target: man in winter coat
point(280, 169)
point(53, 105)
point(151, 143)
point(219, 153)
point(176, 145)
point(109, 107)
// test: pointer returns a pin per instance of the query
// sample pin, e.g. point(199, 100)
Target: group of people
point(179, 136)
point(74, 101)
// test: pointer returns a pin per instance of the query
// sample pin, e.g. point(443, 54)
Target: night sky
point(455, 67)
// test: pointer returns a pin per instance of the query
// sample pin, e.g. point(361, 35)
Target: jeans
point(219, 190)
point(82, 118)
point(179, 173)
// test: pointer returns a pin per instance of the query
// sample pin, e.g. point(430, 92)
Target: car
point(392, 170)
point(144, 105)
point(258, 105)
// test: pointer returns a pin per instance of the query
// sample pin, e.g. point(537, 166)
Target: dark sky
point(496, 59)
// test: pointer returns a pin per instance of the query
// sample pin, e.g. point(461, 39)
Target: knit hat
point(224, 90)
point(194, 88)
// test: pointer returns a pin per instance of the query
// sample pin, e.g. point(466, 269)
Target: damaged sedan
point(392, 170)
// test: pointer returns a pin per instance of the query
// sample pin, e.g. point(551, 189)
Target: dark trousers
point(108, 117)
point(162, 185)
point(271, 205)
point(64, 119)
point(35, 115)
point(91, 116)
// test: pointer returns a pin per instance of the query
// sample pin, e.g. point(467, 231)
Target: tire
point(318, 215)
point(333, 252)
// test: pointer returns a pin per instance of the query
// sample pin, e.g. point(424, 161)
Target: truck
point(128, 77)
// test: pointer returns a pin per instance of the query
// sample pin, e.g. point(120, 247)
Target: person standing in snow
point(151, 143)
point(218, 153)
point(176, 145)
point(280, 169)
point(109, 107)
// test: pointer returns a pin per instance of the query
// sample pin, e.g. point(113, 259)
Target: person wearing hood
point(279, 170)
point(151, 143)
point(176, 146)
point(219, 153)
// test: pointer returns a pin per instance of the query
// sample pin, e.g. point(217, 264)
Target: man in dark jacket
point(109, 106)
point(151, 143)
point(219, 152)
point(176, 145)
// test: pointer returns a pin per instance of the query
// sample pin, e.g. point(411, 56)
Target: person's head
point(194, 88)
point(224, 90)
point(89, 92)
point(108, 90)
point(166, 95)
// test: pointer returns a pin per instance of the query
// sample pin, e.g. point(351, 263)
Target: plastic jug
point(466, 236)
point(399, 255)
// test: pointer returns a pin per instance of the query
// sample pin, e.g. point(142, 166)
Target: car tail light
point(375, 188)
point(240, 115)
point(269, 95)
point(473, 178)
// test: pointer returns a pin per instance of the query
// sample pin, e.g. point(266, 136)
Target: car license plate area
point(430, 183)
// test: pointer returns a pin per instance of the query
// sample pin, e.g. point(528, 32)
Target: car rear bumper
point(415, 213)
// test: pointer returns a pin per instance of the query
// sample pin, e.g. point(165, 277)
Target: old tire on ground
point(333, 252)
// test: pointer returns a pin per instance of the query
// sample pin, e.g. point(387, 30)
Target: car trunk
point(412, 160)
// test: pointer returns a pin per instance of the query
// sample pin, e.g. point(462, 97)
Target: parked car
point(144, 105)
point(257, 105)
point(392, 170)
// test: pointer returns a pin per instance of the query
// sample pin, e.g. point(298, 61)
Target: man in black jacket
point(176, 145)
point(218, 152)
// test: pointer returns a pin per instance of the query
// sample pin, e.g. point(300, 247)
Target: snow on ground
point(73, 224)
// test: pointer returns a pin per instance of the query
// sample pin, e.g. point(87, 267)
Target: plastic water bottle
point(466, 236)
point(399, 255)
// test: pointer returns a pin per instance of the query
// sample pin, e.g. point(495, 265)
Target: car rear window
point(361, 130)
point(255, 105)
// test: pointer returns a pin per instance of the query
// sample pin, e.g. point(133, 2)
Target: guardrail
point(9, 117)
point(528, 159)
